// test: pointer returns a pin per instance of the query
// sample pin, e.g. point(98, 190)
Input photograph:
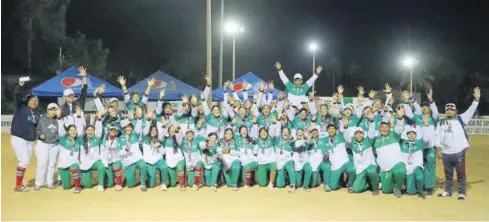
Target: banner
point(478, 127)
point(6, 123)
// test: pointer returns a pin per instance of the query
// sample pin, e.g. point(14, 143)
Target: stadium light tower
point(313, 47)
point(233, 28)
point(409, 62)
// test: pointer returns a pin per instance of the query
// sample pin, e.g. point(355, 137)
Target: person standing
point(69, 107)
point(47, 146)
point(452, 141)
point(23, 131)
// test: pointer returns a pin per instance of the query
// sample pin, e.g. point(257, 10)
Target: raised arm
point(310, 81)
point(151, 83)
point(83, 94)
point(80, 122)
point(19, 94)
point(281, 73)
point(467, 115)
point(203, 97)
point(159, 104)
point(98, 124)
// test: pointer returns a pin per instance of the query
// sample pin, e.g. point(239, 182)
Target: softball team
point(285, 143)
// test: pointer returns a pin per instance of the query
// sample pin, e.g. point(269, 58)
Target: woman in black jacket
point(23, 131)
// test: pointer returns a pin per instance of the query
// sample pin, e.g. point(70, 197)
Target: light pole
point(209, 44)
point(221, 44)
point(409, 62)
point(313, 47)
point(233, 29)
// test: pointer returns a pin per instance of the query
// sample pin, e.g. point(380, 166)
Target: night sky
point(373, 34)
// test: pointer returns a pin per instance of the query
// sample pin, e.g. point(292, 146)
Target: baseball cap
point(411, 129)
point(297, 76)
point(68, 92)
point(52, 106)
point(111, 127)
point(450, 106)
point(113, 99)
point(425, 103)
point(348, 106)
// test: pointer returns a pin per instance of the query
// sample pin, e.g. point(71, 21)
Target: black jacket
point(25, 120)
point(65, 108)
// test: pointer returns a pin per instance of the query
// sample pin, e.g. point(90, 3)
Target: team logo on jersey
point(52, 128)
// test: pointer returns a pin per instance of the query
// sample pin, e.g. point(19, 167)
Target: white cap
point(349, 106)
point(68, 92)
point(358, 129)
point(411, 129)
point(113, 99)
point(52, 105)
point(297, 76)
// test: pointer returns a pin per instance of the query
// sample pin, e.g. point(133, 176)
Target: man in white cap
point(452, 141)
point(297, 91)
point(69, 95)
point(69, 107)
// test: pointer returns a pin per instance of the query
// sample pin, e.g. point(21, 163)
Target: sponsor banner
point(6, 123)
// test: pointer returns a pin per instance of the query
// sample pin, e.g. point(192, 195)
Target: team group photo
point(207, 144)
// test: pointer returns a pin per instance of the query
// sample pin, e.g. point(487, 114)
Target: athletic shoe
point(461, 196)
point(422, 195)
point(291, 189)
point(214, 188)
point(101, 188)
point(429, 191)
point(25, 187)
point(195, 187)
point(306, 189)
point(118, 187)
point(21, 189)
point(51, 187)
point(235, 188)
point(327, 188)
point(350, 190)
point(444, 194)
point(37, 188)
point(182, 188)
point(77, 190)
point(144, 188)
point(247, 187)
point(58, 183)
point(270, 186)
point(163, 187)
point(397, 192)
point(375, 192)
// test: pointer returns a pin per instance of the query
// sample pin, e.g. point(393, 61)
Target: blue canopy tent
point(174, 87)
point(70, 79)
point(253, 83)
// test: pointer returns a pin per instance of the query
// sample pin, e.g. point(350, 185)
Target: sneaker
point(182, 188)
point(58, 183)
point(444, 194)
point(429, 191)
point(118, 187)
point(291, 189)
point(51, 187)
point(101, 188)
point(375, 192)
point(270, 186)
point(25, 187)
point(235, 188)
point(422, 195)
point(144, 188)
point(21, 189)
point(77, 190)
point(37, 188)
point(195, 187)
point(327, 188)
point(350, 190)
point(163, 187)
point(380, 186)
point(214, 188)
point(461, 196)
point(397, 192)
point(247, 187)
point(306, 189)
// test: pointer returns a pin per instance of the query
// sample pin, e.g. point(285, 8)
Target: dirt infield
point(247, 204)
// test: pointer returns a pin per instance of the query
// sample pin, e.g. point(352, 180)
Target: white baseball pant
point(46, 155)
point(22, 149)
